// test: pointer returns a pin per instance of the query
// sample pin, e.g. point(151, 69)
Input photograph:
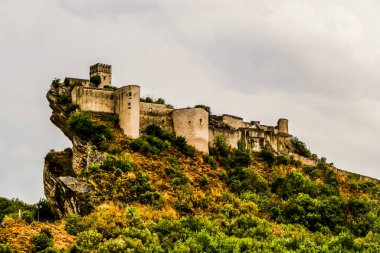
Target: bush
point(88, 240)
point(238, 158)
point(55, 82)
point(112, 163)
point(282, 160)
point(96, 80)
point(160, 101)
point(358, 206)
point(220, 147)
point(74, 224)
point(242, 180)
point(27, 216)
point(295, 183)
point(179, 178)
point(81, 124)
point(300, 148)
point(204, 180)
point(205, 107)
point(210, 160)
point(4, 248)
point(43, 240)
point(267, 157)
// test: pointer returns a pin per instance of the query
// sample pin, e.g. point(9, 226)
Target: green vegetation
point(110, 87)
point(151, 100)
point(205, 107)
point(84, 127)
point(43, 240)
point(41, 210)
point(96, 80)
point(300, 147)
point(155, 141)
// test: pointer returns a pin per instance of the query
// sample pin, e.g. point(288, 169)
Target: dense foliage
point(13, 207)
point(84, 127)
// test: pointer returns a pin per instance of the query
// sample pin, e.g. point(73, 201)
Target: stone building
point(195, 124)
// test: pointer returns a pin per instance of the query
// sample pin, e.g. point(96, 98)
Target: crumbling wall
point(157, 114)
point(231, 135)
point(192, 123)
point(234, 122)
point(91, 99)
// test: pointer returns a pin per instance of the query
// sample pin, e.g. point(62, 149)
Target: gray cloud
point(314, 62)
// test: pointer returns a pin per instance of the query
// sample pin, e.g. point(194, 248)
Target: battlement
point(99, 67)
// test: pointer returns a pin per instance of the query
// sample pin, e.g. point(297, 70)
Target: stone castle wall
point(192, 123)
point(156, 114)
point(95, 100)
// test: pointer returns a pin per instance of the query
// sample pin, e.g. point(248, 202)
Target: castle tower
point(192, 123)
point(127, 106)
point(103, 71)
point(282, 126)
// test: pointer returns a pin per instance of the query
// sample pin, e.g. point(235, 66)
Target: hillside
point(156, 193)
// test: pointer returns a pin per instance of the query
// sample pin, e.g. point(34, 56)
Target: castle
point(195, 124)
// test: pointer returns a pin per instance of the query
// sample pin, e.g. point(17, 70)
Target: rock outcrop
point(65, 189)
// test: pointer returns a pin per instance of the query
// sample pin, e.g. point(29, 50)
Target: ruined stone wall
point(91, 99)
point(233, 121)
point(157, 114)
point(192, 124)
point(231, 135)
point(127, 106)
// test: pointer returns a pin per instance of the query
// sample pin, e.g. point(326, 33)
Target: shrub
point(210, 160)
point(42, 240)
point(205, 107)
point(110, 87)
point(179, 178)
point(242, 180)
point(282, 160)
point(74, 224)
point(266, 156)
point(55, 82)
point(204, 180)
point(112, 163)
point(220, 147)
point(27, 216)
point(358, 206)
point(96, 80)
point(295, 183)
point(81, 124)
point(160, 101)
point(238, 158)
point(4, 248)
point(300, 147)
point(88, 240)
point(331, 178)
point(313, 172)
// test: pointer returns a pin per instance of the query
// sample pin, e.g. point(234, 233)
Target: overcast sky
point(314, 62)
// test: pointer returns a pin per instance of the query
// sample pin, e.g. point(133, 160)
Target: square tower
point(104, 73)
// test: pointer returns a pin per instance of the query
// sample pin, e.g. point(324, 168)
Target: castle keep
point(195, 124)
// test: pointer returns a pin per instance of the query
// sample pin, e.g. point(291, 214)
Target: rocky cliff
point(64, 188)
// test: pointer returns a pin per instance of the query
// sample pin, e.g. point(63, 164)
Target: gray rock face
point(65, 192)
point(64, 188)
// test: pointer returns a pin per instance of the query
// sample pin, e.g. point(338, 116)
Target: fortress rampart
point(195, 124)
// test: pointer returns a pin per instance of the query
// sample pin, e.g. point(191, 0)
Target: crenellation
point(195, 124)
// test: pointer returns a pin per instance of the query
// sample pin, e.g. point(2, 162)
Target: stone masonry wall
point(95, 100)
point(192, 124)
